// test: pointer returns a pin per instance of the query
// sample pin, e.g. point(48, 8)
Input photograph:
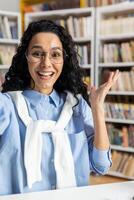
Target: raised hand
point(97, 95)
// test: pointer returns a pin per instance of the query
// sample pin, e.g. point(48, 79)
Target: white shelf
point(115, 37)
point(120, 148)
point(117, 174)
point(9, 41)
point(116, 8)
point(117, 64)
point(121, 121)
point(128, 93)
point(4, 66)
point(86, 66)
point(81, 39)
point(9, 14)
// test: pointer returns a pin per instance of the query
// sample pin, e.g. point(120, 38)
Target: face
point(45, 61)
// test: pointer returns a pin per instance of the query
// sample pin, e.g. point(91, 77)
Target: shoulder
point(10, 97)
point(6, 103)
point(5, 97)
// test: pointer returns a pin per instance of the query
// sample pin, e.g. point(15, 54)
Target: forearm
point(101, 140)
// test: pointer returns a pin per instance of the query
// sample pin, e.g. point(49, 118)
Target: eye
point(56, 54)
point(37, 54)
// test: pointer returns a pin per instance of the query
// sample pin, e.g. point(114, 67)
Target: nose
point(45, 61)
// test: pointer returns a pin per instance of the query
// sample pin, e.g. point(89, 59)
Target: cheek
point(31, 70)
point(59, 69)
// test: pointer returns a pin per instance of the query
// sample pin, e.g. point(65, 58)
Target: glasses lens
point(34, 56)
point(56, 56)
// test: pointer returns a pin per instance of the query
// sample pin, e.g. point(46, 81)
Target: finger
point(116, 75)
point(113, 78)
point(110, 78)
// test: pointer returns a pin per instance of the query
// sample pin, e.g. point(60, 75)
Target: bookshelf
point(10, 32)
point(114, 50)
point(80, 24)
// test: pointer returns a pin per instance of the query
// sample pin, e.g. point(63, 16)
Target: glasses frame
point(64, 56)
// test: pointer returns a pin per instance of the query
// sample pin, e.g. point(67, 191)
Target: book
point(13, 29)
point(116, 158)
point(70, 25)
point(2, 28)
point(123, 162)
point(129, 170)
point(7, 27)
point(125, 142)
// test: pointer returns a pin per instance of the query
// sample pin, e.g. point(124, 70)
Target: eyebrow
point(40, 47)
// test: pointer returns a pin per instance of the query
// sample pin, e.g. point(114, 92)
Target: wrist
point(98, 108)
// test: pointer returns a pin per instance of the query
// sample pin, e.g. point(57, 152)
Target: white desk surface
point(111, 191)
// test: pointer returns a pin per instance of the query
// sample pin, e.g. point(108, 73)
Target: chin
point(45, 88)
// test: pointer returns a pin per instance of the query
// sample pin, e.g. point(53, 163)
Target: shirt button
point(53, 187)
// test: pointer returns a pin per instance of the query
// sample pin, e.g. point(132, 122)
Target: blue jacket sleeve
point(5, 112)
point(100, 160)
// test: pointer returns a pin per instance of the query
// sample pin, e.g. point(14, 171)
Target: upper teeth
point(46, 73)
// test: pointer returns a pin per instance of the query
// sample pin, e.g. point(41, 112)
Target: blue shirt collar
point(35, 97)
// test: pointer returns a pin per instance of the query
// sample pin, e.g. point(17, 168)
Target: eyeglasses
point(55, 55)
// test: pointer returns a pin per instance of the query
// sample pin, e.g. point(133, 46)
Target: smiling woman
point(45, 61)
point(51, 137)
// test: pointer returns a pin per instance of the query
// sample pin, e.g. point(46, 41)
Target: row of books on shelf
point(117, 25)
point(57, 4)
point(6, 54)
point(84, 53)
point(122, 136)
point(8, 28)
point(125, 81)
point(119, 110)
point(117, 52)
point(123, 163)
point(79, 26)
point(52, 5)
point(103, 2)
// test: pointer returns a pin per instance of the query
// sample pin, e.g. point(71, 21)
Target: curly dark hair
point(18, 76)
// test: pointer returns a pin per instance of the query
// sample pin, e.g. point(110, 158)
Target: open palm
point(97, 95)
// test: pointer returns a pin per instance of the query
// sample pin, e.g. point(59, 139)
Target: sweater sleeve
point(100, 160)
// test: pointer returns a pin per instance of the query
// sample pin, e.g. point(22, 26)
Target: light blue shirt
point(12, 137)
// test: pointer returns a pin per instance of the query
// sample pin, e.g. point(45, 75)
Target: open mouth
point(45, 74)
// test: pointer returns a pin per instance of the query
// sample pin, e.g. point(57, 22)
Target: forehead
point(45, 41)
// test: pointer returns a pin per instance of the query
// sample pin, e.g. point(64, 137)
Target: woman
point(50, 139)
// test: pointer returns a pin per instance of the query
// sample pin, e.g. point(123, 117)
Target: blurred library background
point(103, 31)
